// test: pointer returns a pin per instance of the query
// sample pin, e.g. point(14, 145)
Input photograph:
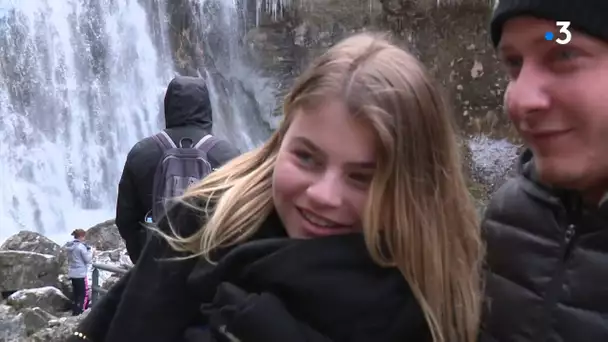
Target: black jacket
point(187, 114)
point(271, 289)
point(547, 264)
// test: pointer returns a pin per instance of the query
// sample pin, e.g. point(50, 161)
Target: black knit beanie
point(589, 16)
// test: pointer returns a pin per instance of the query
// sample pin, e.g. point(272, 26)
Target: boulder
point(25, 317)
point(27, 241)
point(49, 299)
point(57, 330)
point(65, 285)
point(35, 319)
point(12, 325)
point(63, 271)
point(117, 258)
point(111, 281)
point(105, 236)
point(26, 270)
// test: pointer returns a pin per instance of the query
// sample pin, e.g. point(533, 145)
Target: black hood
point(187, 103)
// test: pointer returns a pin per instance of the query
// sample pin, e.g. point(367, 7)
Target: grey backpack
point(180, 167)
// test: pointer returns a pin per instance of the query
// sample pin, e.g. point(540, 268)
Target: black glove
point(199, 334)
point(228, 301)
point(235, 314)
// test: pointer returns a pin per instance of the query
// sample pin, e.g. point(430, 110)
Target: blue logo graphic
point(549, 36)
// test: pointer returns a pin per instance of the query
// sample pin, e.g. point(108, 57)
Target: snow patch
point(492, 158)
point(40, 292)
point(116, 257)
point(47, 256)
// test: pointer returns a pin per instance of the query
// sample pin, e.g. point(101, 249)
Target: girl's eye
point(361, 179)
point(305, 158)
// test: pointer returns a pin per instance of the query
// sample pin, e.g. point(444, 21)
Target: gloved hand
point(199, 334)
point(235, 315)
point(228, 301)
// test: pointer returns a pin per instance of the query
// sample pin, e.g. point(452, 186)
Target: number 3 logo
point(564, 25)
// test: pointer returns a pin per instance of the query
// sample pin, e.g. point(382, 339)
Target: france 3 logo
point(563, 30)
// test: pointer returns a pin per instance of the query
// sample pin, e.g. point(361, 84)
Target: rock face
point(28, 241)
point(460, 57)
point(27, 270)
point(105, 236)
point(33, 278)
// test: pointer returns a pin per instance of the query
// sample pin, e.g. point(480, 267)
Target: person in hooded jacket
point(352, 223)
point(80, 256)
point(547, 228)
point(187, 108)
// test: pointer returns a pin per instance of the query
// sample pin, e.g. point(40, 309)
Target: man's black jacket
point(187, 115)
point(546, 264)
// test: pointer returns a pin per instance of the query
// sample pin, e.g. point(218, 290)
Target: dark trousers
point(79, 287)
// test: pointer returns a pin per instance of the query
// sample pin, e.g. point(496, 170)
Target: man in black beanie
point(547, 229)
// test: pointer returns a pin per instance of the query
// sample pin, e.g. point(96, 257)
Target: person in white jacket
point(80, 256)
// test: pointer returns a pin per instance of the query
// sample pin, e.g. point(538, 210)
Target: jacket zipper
point(569, 235)
point(555, 288)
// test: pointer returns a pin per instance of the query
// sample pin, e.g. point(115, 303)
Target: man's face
point(557, 98)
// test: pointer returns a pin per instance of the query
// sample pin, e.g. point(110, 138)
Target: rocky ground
point(35, 302)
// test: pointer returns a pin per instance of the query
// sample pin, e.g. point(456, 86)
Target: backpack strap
point(163, 139)
point(206, 143)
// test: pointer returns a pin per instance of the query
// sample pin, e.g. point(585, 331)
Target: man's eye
point(565, 54)
point(512, 65)
point(512, 62)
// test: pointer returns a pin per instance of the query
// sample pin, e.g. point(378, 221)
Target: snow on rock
point(28, 241)
point(493, 159)
point(117, 258)
point(48, 298)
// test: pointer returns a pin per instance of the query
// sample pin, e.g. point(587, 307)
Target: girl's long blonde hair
point(419, 217)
